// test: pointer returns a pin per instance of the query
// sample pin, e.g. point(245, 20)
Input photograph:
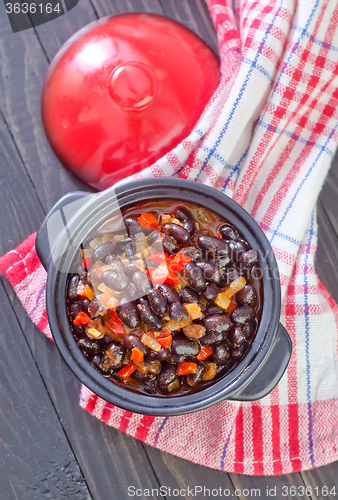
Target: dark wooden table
point(50, 448)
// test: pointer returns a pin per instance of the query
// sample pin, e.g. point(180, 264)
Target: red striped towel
point(267, 139)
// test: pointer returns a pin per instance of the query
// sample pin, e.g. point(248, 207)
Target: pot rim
point(95, 210)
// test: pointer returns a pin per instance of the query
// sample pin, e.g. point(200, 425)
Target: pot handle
point(270, 371)
point(50, 227)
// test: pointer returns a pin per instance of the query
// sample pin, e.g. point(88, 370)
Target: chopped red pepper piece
point(165, 341)
point(179, 261)
point(148, 220)
point(162, 274)
point(81, 289)
point(158, 258)
point(186, 367)
point(137, 355)
point(114, 326)
point(87, 262)
point(82, 319)
point(114, 316)
point(204, 353)
point(126, 371)
point(231, 309)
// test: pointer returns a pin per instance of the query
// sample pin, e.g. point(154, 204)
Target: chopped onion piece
point(174, 385)
point(93, 333)
point(150, 342)
point(238, 284)
point(222, 300)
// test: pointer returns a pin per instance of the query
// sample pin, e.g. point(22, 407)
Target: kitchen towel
point(266, 138)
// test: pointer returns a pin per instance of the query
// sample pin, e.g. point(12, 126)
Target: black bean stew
point(169, 303)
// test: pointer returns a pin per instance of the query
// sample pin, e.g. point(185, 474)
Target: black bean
point(177, 232)
point(74, 309)
point(230, 274)
point(85, 304)
point(213, 244)
point(189, 226)
point(157, 301)
point(213, 309)
point(221, 354)
point(247, 296)
point(169, 245)
point(182, 214)
point(169, 293)
point(115, 353)
point(189, 295)
point(237, 353)
point(236, 335)
point(150, 387)
point(223, 261)
point(243, 314)
point(114, 280)
point(78, 331)
point(166, 375)
point(211, 292)
point(116, 263)
point(217, 324)
point(72, 288)
point(248, 259)
point(97, 363)
point(194, 253)
point(141, 281)
point(212, 339)
point(133, 226)
point(132, 292)
point(237, 247)
point(210, 272)
point(182, 346)
point(132, 341)
point(194, 378)
point(89, 345)
point(128, 313)
point(139, 375)
point(195, 277)
point(153, 237)
point(101, 252)
point(249, 329)
point(177, 311)
point(154, 321)
point(175, 358)
point(158, 356)
point(130, 269)
point(228, 232)
point(127, 245)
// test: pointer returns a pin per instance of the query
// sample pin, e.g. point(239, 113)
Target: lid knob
point(133, 86)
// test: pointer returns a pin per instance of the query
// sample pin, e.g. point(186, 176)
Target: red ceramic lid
point(124, 91)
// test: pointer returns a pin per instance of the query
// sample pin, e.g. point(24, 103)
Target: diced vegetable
point(186, 367)
point(229, 292)
point(141, 367)
point(238, 284)
point(165, 341)
point(204, 353)
point(115, 327)
point(193, 331)
point(104, 288)
point(93, 333)
point(85, 291)
point(162, 274)
point(99, 240)
point(174, 385)
point(194, 310)
point(113, 315)
point(158, 258)
point(107, 300)
point(179, 261)
point(222, 300)
point(141, 242)
point(137, 355)
point(126, 371)
point(82, 319)
point(231, 309)
point(173, 325)
point(210, 371)
point(87, 262)
point(176, 221)
point(148, 220)
point(150, 342)
point(165, 218)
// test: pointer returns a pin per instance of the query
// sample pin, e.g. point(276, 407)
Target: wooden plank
point(36, 459)
point(114, 7)
point(322, 482)
point(178, 474)
point(107, 457)
point(264, 487)
point(22, 69)
point(329, 194)
point(194, 15)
